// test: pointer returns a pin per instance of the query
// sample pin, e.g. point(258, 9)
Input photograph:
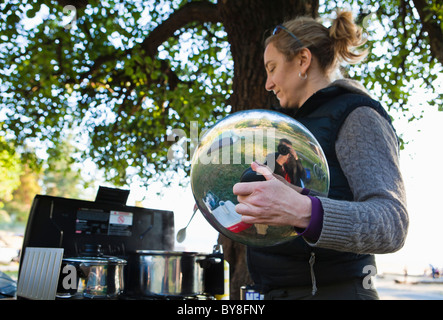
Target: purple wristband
point(313, 231)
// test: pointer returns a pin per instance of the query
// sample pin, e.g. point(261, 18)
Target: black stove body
point(119, 230)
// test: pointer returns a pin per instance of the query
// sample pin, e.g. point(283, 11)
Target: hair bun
point(347, 36)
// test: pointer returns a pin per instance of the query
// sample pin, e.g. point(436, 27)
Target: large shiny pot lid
point(102, 260)
point(169, 253)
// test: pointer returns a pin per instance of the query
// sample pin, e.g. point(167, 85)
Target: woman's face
point(283, 78)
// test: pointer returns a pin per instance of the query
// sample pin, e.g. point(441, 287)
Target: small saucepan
point(172, 273)
point(94, 277)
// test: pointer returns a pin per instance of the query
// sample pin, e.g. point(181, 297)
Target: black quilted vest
point(287, 264)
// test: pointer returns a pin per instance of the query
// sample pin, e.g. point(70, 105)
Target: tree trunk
point(248, 23)
point(432, 26)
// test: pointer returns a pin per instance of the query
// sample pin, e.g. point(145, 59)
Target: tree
point(58, 175)
point(129, 72)
point(405, 39)
point(10, 171)
point(62, 175)
point(431, 17)
point(19, 205)
point(19, 177)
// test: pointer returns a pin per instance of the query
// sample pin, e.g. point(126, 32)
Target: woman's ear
point(305, 59)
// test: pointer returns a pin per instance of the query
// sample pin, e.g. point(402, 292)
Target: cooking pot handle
point(207, 262)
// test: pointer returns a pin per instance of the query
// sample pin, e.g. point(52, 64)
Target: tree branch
point(202, 11)
point(432, 27)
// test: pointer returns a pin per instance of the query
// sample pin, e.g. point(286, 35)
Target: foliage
point(400, 59)
point(93, 72)
point(10, 171)
point(62, 174)
point(103, 68)
point(59, 175)
point(19, 206)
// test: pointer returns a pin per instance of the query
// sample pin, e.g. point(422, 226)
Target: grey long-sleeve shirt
point(377, 220)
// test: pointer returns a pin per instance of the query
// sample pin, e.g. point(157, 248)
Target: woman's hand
point(273, 202)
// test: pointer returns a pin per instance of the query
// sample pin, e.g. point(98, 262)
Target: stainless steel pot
point(171, 273)
point(91, 277)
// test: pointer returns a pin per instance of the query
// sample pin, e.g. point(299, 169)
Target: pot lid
point(169, 253)
point(102, 260)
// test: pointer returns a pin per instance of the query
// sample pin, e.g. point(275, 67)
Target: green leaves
point(400, 61)
point(93, 74)
point(91, 70)
point(10, 171)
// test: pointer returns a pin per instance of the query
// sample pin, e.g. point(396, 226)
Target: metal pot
point(171, 273)
point(91, 277)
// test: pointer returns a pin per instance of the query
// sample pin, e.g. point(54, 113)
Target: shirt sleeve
point(313, 230)
point(377, 220)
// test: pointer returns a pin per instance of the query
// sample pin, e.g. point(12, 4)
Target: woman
point(365, 212)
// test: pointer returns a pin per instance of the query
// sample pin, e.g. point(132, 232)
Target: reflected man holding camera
point(285, 162)
point(288, 164)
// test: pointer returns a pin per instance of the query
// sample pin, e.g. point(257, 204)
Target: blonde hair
point(329, 45)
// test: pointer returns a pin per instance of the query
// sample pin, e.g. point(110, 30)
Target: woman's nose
point(269, 84)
